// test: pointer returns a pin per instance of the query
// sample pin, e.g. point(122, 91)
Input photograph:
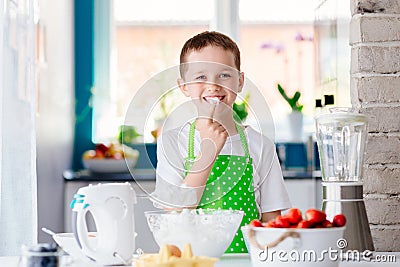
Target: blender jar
point(341, 139)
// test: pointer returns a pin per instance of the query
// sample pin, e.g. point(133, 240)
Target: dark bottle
point(41, 255)
point(329, 100)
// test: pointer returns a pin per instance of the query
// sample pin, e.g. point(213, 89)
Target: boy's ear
point(241, 82)
point(183, 87)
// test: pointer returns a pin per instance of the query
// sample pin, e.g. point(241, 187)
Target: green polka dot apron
point(229, 186)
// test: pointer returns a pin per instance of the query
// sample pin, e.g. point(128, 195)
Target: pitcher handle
point(253, 241)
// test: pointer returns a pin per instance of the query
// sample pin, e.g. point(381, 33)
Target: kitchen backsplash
point(292, 156)
point(147, 155)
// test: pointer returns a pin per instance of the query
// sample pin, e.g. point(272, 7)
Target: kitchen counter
point(150, 175)
point(85, 175)
point(244, 261)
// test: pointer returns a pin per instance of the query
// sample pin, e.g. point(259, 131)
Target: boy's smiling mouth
point(214, 98)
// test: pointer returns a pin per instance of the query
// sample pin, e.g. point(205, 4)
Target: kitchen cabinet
point(305, 193)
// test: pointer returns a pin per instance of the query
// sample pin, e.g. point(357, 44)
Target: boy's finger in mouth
point(215, 100)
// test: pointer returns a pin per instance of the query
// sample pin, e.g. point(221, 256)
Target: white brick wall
point(386, 237)
point(375, 28)
point(389, 179)
point(386, 205)
point(375, 57)
point(382, 149)
point(375, 6)
point(375, 91)
point(382, 118)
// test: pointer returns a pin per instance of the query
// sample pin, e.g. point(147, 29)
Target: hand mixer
point(111, 206)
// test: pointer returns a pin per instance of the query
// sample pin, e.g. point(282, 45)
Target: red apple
point(99, 154)
point(101, 147)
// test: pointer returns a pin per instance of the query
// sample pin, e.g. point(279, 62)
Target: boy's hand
point(213, 134)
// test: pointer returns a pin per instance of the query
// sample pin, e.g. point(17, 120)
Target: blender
point(341, 140)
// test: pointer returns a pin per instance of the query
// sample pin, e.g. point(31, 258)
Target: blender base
point(347, 198)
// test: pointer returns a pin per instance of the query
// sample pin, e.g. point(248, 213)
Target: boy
point(213, 162)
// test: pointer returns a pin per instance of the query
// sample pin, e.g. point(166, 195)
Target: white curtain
point(18, 209)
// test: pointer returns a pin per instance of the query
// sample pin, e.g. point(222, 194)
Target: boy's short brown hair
point(211, 38)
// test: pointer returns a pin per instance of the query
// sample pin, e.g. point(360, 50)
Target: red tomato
point(256, 223)
point(339, 220)
point(282, 222)
point(305, 224)
point(270, 224)
point(315, 216)
point(294, 215)
point(326, 224)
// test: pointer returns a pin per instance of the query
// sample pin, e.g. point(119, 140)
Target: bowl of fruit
point(293, 240)
point(112, 158)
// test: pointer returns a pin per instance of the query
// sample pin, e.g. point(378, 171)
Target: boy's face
point(211, 72)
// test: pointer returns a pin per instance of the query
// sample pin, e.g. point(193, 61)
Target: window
point(147, 40)
point(277, 46)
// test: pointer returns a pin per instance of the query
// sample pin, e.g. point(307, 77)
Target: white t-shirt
point(270, 190)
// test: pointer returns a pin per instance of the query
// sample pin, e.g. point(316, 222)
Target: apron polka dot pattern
point(229, 186)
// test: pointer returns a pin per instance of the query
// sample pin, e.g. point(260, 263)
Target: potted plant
point(127, 134)
point(240, 108)
point(296, 116)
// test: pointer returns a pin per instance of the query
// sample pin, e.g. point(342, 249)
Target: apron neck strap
point(238, 128)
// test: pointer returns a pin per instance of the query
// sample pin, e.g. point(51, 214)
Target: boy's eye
point(224, 75)
point(201, 77)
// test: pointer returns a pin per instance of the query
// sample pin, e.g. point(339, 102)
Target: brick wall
point(375, 91)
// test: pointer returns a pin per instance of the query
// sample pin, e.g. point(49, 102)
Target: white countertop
point(233, 260)
point(244, 261)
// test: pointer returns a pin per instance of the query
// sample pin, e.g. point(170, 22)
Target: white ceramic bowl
point(110, 165)
point(68, 243)
point(312, 247)
point(209, 232)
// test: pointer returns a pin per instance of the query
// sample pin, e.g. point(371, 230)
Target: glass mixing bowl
point(209, 231)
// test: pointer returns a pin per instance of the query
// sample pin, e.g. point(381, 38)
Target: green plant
point(240, 108)
point(166, 103)
point(127, 134)
point(292, 101)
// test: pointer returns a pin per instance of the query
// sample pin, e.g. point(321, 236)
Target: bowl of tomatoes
point(111, 158)
point(296, 240)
